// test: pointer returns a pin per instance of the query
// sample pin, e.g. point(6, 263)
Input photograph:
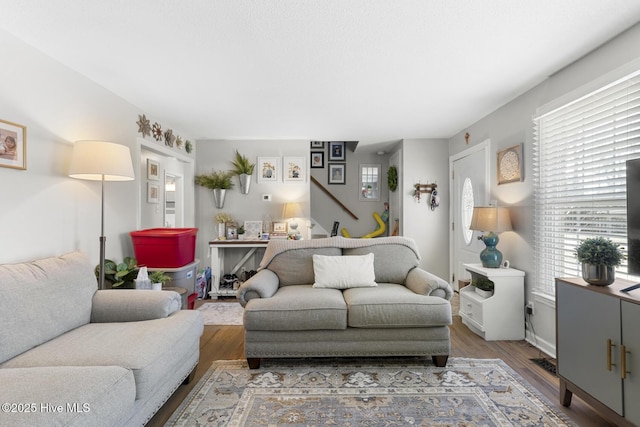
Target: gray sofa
point(72, 355)
point(406, 312)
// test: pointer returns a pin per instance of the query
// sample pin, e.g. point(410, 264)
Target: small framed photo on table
point(280, 227)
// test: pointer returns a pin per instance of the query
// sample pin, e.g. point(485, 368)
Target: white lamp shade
point(490, 218)
point(292, 210)
point(93, 160)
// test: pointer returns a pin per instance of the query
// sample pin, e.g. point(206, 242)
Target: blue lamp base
point(490, 256)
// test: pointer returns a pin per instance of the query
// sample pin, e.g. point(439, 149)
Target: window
point(370, 182)
point(579, 156)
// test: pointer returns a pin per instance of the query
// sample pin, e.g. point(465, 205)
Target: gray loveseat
point(71, 355)
point(406, 312)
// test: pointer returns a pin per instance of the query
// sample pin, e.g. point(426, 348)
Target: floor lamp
point(101, 161)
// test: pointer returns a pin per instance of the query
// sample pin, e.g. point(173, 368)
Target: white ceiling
point(368, 70)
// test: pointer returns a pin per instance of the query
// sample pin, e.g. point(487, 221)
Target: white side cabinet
point(500, 316)
point(597, 347)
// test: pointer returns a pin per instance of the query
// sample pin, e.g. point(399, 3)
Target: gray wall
point(513, 124)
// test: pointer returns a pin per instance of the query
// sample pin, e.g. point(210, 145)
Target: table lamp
point(101, 161)
point(491, 220)
point(293, 211)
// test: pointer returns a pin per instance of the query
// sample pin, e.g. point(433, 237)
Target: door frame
point(484, 145)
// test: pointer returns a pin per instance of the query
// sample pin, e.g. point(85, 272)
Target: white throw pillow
point(343, 272)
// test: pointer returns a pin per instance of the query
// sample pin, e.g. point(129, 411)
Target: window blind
point(579, 156)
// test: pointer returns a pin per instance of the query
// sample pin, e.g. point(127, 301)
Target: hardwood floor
point(227, 343)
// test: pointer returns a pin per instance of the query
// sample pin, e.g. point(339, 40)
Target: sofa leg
point(440, 361)
point(253, 362)
point(191, 376)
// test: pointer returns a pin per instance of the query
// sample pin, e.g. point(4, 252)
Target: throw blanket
point(278, 246)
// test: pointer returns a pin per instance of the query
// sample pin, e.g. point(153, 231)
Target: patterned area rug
point(365, 392)
point(221, 313)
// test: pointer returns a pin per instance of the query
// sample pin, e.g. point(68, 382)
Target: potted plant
point(484, 286)
point(599, 258)
point(158, 279)
point(221, 219)
point(120, 274)
point(219, 182)
point(240, 232)
point(243, 168)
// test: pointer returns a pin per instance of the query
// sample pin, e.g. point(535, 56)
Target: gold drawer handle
point(610, 346)
point(623, 362)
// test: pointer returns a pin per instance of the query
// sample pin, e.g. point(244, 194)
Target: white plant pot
point(156, 286)
point(483, 293)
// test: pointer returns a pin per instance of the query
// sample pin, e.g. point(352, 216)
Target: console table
point(217, 250)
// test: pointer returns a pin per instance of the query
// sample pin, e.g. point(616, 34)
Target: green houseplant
point(160, 277)
point(120, 274)
point(219, 182)
point(483, 286)
point(243, 168)
point(599, 257)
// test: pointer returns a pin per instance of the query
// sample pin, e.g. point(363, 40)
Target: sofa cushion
point(51, 296)
point(343, 272)
point(392, 261)
point(88, 396)
point(394, 306)
point(296, 308)
point(295, 266)
point(149, 348)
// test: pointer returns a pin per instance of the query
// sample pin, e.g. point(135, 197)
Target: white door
point(470, 187)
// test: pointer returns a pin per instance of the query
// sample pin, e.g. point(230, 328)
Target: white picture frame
point(295, 169)
point(253, 230)
point(268, 169)
point(153, 170)
point(153, 192)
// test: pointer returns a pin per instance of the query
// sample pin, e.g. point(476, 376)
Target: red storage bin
point(164, 247)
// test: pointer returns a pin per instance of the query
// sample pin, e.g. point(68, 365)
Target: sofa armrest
point(262, 285)
point(424, 283)
point(128, 305)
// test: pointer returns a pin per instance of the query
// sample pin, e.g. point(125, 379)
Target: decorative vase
point(218, 197)
point(245, 183)
point(222, 231)
point(599, 275)
point(490, 256)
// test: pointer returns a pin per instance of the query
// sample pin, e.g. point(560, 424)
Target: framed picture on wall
point(336, 150)
point(317, 159)
point(268, 169)
point(317, 144)
point(337, 173)
point(510, 165)
point(153, 192)
point(13, 145)
point(153, 170)
point(295, 169)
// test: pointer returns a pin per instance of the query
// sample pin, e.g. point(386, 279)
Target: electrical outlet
point(530, 308)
